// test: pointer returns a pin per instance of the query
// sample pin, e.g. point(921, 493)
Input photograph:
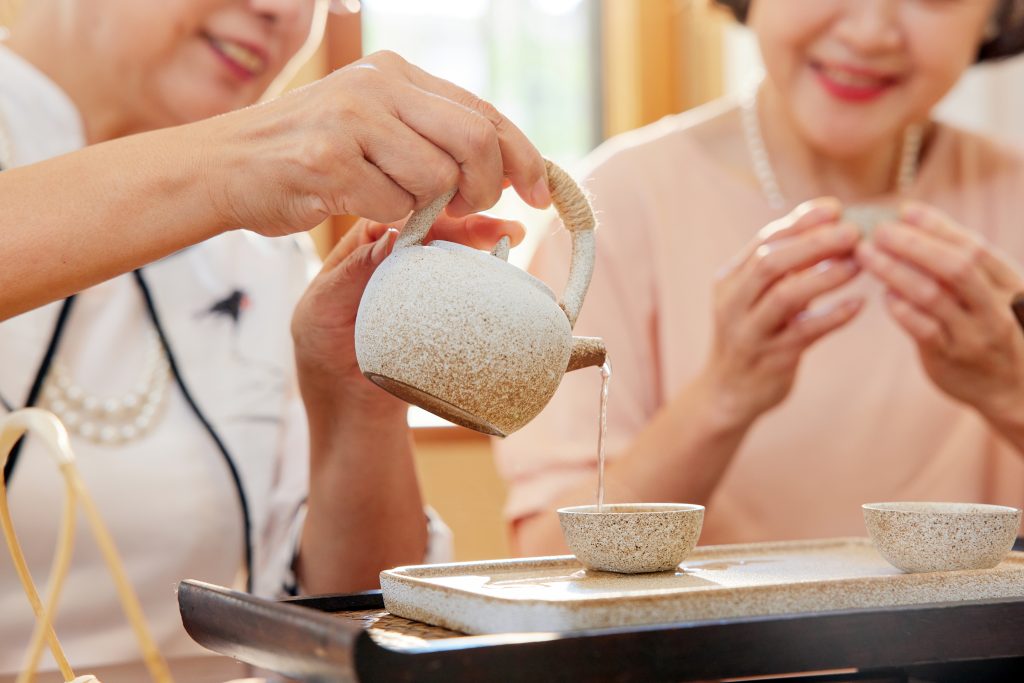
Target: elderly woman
point(768, 360)
point(220, 442)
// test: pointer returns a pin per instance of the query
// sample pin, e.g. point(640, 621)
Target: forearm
point(1009, 424)
point(76, 220)
point(680, 456)
point(365, 513)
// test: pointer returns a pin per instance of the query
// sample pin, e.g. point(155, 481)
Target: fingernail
point(382, 246)
point(540, 195)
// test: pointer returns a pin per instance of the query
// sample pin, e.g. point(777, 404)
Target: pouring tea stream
point(469, 337)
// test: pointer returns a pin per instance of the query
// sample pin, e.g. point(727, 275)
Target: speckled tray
point(715, 582)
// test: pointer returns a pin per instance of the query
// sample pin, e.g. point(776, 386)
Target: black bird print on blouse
point(232, 306)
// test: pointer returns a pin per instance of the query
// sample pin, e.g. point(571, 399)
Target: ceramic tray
point(715, 582)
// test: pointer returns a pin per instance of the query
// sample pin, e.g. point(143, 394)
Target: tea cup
point(632, 538)
point(931, 537)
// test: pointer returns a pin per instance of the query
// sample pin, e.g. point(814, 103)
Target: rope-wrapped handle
point(573, 209)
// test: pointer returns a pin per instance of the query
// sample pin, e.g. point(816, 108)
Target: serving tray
point(349, 638)
point(715, 582)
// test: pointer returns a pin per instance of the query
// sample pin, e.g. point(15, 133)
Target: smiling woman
point(213, 397)
point(769, 359)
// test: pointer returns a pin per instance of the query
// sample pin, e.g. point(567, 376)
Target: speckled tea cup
point(935, 537)
point(632, 538)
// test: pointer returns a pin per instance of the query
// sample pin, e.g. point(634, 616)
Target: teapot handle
point(573, 209)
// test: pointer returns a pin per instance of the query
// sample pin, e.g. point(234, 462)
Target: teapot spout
point(586, 351)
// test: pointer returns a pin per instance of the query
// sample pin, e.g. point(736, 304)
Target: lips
point(853, 84)
point(244, 60)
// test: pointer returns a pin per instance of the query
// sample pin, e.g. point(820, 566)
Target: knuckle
point(974, 253)
point(931, 335)
point(961, 268)
point(930, 294)
point(439, 178)
point(386, 58)
point(786, 295)
point(489, 111)
point(480, 135)
point(768, 265)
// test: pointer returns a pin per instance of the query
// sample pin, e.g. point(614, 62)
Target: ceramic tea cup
point(632, 538)
point(934, 537)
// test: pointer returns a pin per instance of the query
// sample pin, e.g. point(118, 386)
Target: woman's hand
point(375, 139)
point(323, 325)
point(951, 292)
point(763, 319)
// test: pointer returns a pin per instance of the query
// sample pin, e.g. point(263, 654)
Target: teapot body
point(463, 335)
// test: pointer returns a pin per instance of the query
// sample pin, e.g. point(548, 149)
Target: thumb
point(349, 278)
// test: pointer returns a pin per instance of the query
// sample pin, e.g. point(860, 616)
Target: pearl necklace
point(100, 419)
point(109, 420)
point(909, 154)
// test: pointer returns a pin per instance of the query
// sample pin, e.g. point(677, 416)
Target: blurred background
point(570, 73)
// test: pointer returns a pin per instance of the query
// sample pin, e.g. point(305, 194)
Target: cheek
point(936, 71)
point(785, 31)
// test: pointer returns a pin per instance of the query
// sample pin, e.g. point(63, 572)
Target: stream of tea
point(606, 375)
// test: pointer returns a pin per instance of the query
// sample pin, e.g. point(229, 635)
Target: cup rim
point(941, 508)
point(611, 508)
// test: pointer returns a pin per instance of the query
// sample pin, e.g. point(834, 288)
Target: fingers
point(811, 326)
point(379, 197)
point(915, 287)
point(476, 230)
point(953, 265)
point(776, 259)
point(348, 279)
point(808, 215)
point(479, 231)
point(941, 226)
point(791, 296)
point(925, 330)
point(523, 164)
point(421, 167)
point(362, 232)
point(466, 136)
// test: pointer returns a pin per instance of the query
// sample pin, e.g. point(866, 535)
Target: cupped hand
point(323, 325)
point(375, 139)
point(951, 292)
point(762, 303)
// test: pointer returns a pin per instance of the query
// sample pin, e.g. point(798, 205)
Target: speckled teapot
point(469, 337)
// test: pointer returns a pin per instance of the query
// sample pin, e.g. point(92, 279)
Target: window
point(536, 60)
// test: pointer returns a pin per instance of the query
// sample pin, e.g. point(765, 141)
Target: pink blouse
point(863, 422)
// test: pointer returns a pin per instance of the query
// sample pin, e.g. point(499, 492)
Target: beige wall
point(8, 10)
point(460, 482)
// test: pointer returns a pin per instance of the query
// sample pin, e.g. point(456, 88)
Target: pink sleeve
point(558, 449)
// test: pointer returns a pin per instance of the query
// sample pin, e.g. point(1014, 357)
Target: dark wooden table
point(339, 639)
point(327, 639)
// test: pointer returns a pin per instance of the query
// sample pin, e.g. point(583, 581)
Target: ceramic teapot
point(469, 337)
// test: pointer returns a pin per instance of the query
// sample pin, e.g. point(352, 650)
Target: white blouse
point(169, 498)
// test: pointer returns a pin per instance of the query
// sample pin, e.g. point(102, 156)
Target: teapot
point(467, 336)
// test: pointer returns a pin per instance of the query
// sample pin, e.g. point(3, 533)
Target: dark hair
point(1009, 17)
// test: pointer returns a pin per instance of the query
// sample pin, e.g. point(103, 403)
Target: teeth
point(851, 79)
point(251, 61)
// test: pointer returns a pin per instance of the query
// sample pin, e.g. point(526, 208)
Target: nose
point(870, 25)
point(281, 11)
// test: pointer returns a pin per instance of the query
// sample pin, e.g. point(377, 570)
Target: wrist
point(724, 412)
point(222, 162)
point(356, 402)
point(1006, 414)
